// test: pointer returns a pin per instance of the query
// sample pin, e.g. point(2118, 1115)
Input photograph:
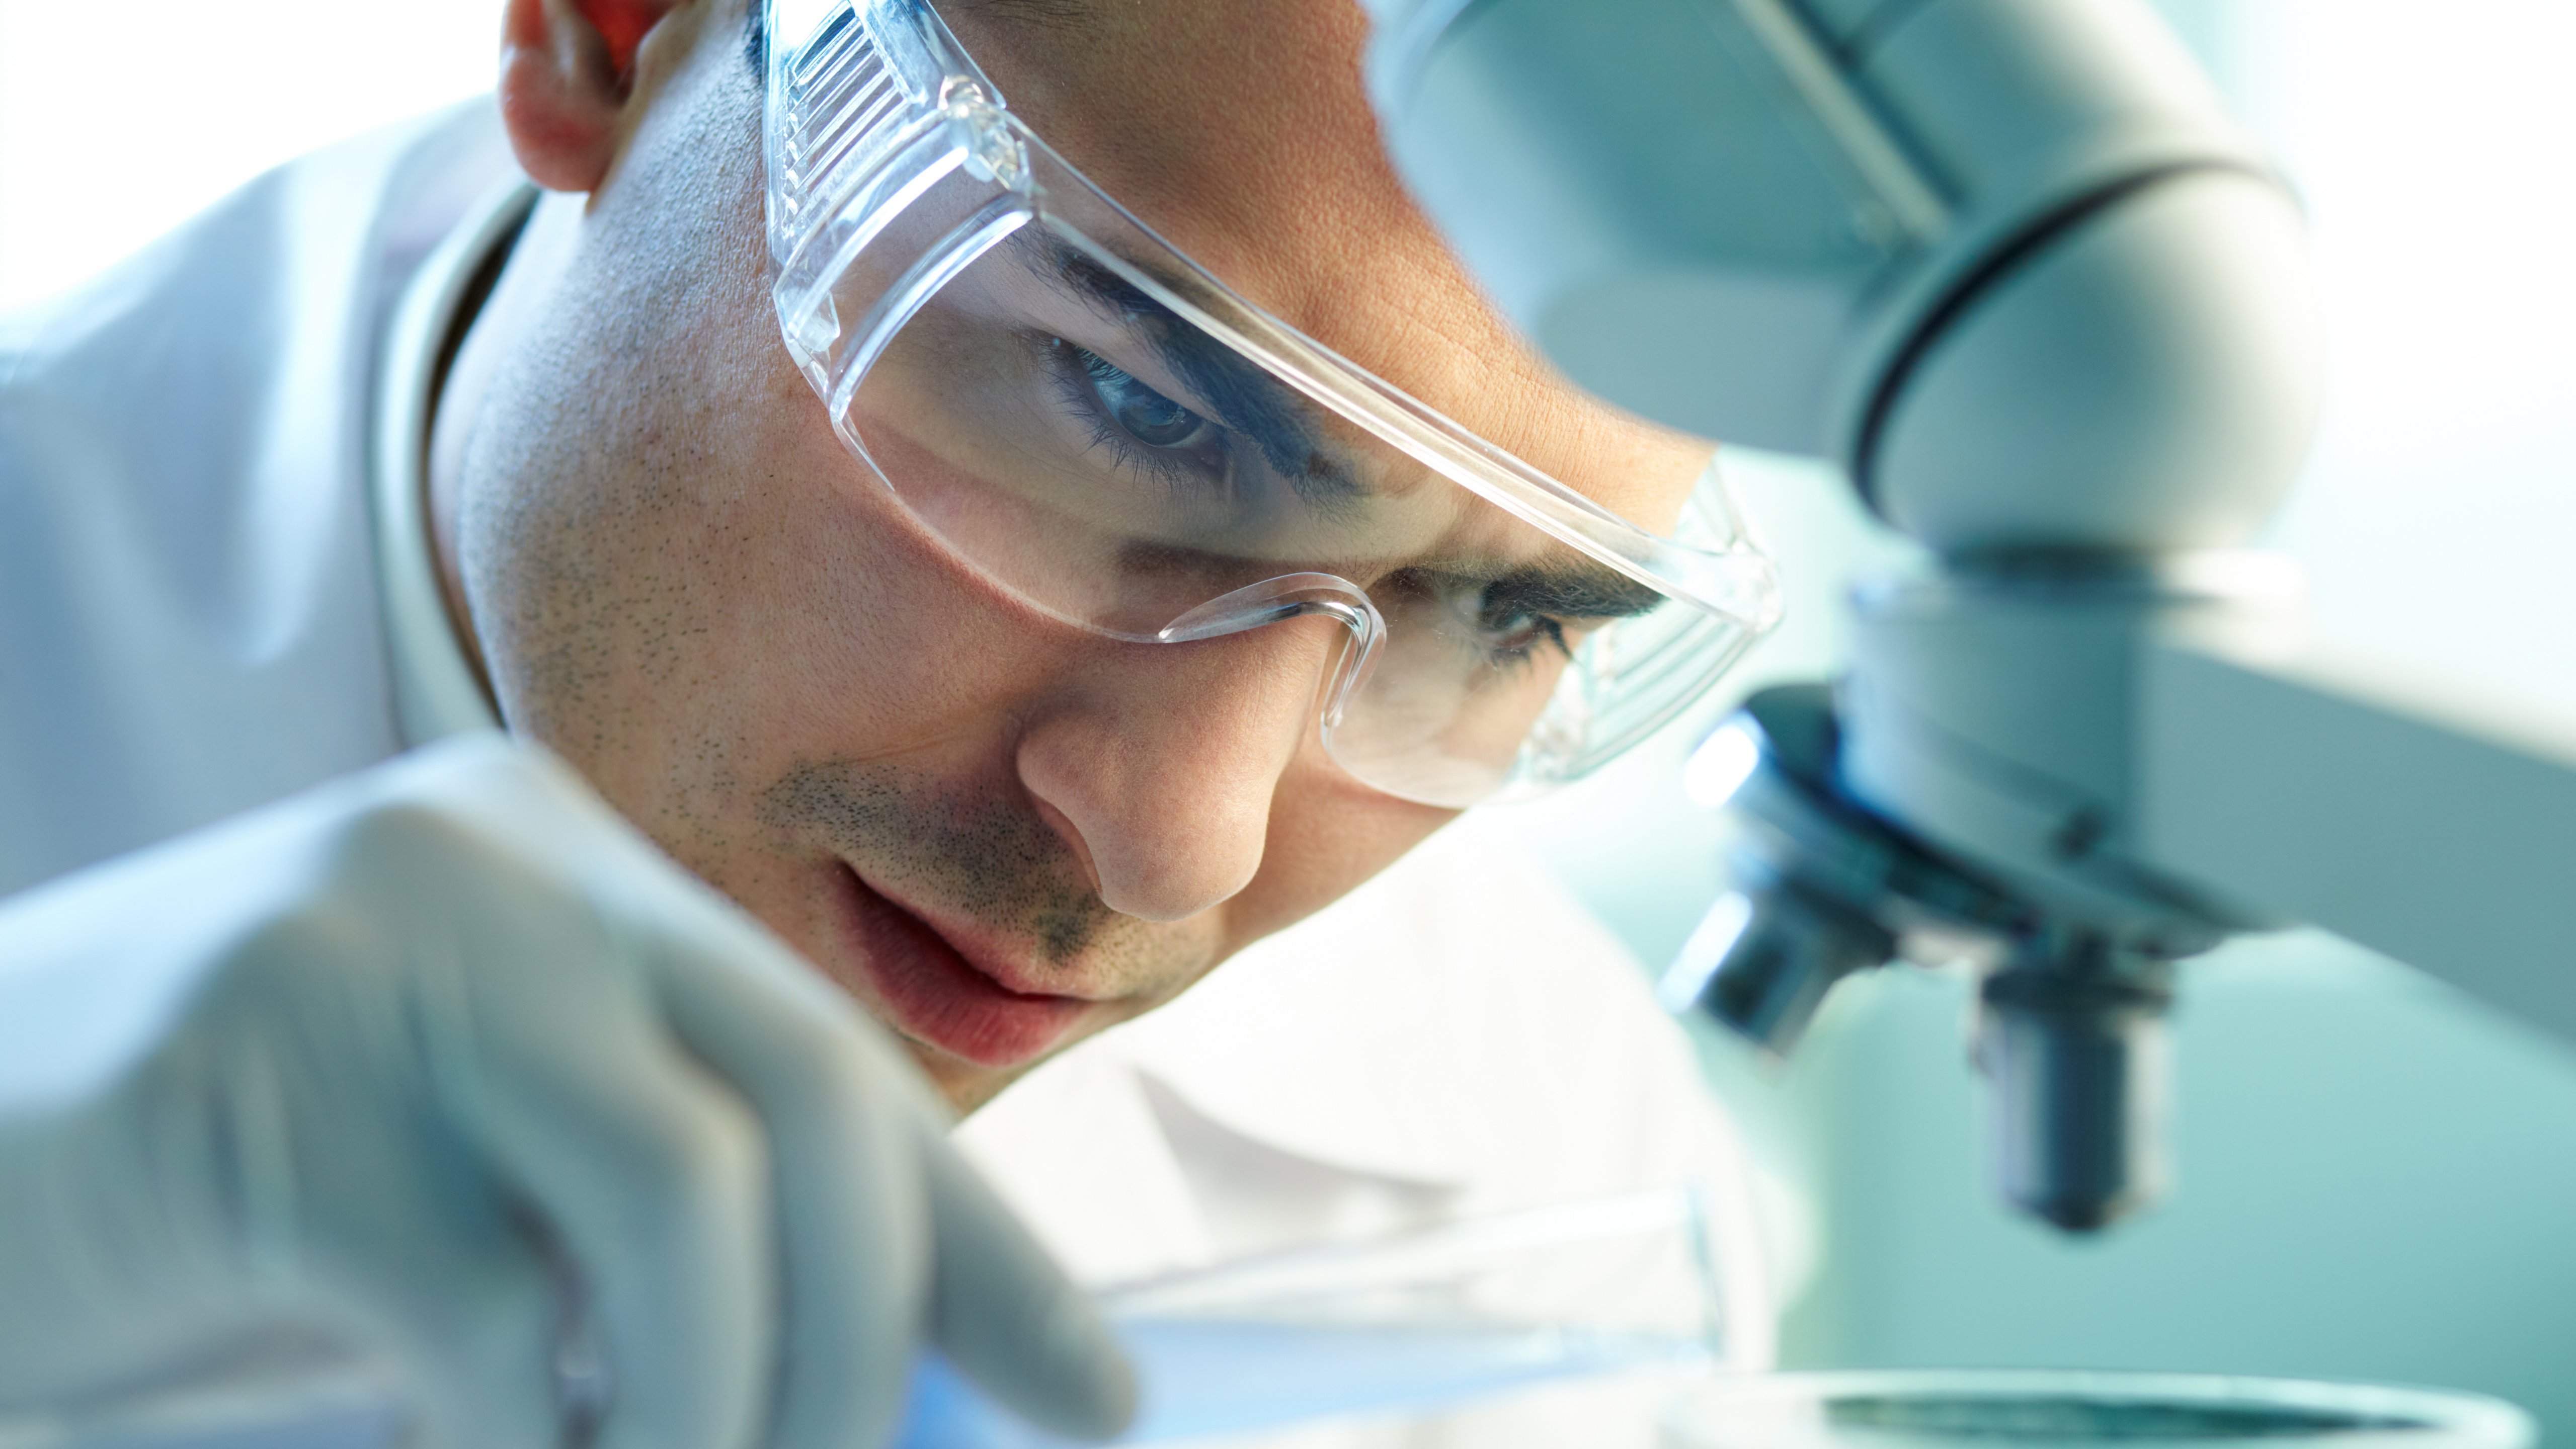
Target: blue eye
point(1144, 414)
point(1136, 434)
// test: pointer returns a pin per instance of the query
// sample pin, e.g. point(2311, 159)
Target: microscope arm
point(2162, 755)
point(2102, 768)
point(2164, 759)
point(2370, 805)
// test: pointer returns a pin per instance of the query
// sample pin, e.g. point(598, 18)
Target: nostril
point(1062, 824)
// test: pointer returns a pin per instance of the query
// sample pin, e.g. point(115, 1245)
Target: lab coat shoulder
point(188, 621)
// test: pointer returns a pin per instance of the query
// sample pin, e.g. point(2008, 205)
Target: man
point(410, 1058)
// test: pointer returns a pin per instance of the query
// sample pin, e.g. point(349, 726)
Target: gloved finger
point(655, 1178)
point(354, 1205)
point(1005, 1313)
point(476, 1334)
point(429, 1265)
point(844, 1125)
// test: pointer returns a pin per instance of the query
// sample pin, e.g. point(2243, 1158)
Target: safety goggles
point(1104, 429)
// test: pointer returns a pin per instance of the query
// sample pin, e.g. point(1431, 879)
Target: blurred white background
point(2377, 1178)
point(2432, 142)
point(121, 118)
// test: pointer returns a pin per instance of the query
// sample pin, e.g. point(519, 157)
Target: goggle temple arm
point(1291, 596)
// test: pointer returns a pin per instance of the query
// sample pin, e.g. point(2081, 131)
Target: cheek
point(855, 635)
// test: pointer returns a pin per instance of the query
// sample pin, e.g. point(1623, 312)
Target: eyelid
point(1150, 376)
point(1280, 423)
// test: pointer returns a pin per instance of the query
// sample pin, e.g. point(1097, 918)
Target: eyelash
point(1071, 371)
point(1466, 604)
point(1515, 658)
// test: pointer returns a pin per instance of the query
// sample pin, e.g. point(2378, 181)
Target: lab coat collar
point(435, 689)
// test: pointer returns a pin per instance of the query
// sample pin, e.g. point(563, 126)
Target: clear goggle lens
point(1092, 422)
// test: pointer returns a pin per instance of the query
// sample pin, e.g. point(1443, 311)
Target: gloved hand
point(399, 1057)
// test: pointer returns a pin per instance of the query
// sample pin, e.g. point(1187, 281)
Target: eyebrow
point(1583, 589)
point(1240, 394)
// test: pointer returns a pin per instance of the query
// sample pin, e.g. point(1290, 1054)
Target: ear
point(567, 77)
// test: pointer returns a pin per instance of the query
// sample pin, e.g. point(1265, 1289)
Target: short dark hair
point(755, 39)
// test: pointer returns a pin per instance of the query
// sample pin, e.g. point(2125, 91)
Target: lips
point(935, 995)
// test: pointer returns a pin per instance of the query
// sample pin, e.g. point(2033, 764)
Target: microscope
point(2010, 265)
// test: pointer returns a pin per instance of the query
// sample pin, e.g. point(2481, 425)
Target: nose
point(1163, 763)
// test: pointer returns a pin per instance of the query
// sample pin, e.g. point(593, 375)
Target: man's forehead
point(1241, 131)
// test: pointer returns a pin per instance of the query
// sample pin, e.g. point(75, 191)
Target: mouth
point(934, 994)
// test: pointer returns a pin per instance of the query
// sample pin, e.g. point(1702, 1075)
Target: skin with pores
point(996, 831)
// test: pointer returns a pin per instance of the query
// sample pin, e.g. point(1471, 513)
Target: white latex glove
point(392, 1057)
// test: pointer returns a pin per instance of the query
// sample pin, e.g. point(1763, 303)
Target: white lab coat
point(214, 592)
point(189, 611)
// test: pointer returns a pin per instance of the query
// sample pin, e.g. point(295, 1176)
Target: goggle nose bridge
point(1293, 596)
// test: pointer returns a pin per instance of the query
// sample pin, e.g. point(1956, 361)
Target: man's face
point(997, 831)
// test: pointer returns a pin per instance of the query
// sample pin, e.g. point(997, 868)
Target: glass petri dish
point(2039, 1409)
point(1458, 1312)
